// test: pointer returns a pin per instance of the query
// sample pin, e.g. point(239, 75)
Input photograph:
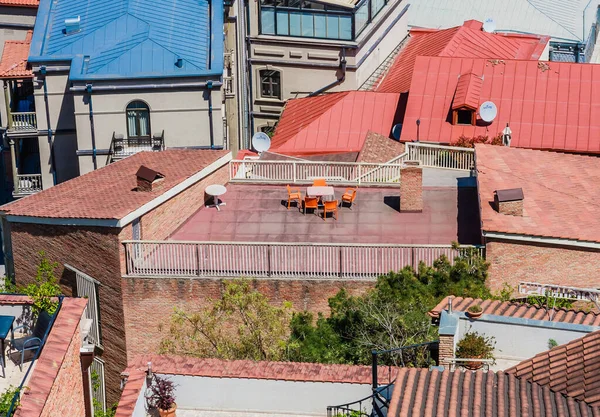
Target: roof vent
point(72, 25)
point(509, 201)
point(147, 178)
point(179, 63)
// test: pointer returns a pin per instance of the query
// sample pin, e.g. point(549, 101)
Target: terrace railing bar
point(280, 260)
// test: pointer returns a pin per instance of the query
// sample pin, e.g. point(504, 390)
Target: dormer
point(466, 99)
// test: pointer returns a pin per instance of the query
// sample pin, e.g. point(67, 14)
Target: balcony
point(27, 184)
point(22, 122)
point(121, 147)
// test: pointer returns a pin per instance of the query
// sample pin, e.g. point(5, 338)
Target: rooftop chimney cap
point(512, 194)
point(147, 174)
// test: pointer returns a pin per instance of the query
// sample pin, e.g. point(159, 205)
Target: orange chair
point(332, 207)
point(319, 182)
point(294, 195)
point(349, 196)
point(311, 203)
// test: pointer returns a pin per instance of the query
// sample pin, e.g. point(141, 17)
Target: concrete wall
point(264, 396)
point(513, 262)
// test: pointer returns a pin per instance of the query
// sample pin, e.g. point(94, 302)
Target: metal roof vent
point(179, 63)
point(72, 25)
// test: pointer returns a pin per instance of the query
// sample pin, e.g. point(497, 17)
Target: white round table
point(216, 190)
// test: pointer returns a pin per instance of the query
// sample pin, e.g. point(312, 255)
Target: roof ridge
point(553, 20)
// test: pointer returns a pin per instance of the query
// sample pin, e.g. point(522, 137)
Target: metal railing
point(25, 121)
point(559, 291)
point(28, 184)
point(87, 287)
point(469, 363)
point(280, 260)
point(439, 156)
point(375, 405)
point(121, 147)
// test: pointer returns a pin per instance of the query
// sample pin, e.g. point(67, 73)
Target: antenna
point(489, 25)
point(488, 111)
point(261, 142)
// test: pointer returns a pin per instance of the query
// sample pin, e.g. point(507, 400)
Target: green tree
point(242, 324)
point(45, 289)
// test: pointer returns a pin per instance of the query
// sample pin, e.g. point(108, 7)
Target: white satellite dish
point(261, 142)
point(489, 25)
point(488, 111)
point(396, 131)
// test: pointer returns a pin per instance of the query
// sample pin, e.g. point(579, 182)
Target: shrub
point(45, 289)
point(6, 399)
point(475, 346)
point(552, 343)
point(475, 309)
point(162, 393)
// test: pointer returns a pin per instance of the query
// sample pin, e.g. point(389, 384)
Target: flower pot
point(474, 316)
point(168, 413)
point(473, 366)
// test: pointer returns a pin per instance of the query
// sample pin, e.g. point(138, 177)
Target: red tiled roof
point(14, 299)
point(247, 369)
point(561, 193)
point(14, 58)
point(51, 359)
point(379, 149)
point(463, 41)
point(333, 123)
point(109, 192)
point(572, 369)
point(519, 310)
point(425, 393)
point(548, 105)
point(131, 393)
point(468, 91)
point(20, 3)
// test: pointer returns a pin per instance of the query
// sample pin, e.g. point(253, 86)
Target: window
point(136, 229)
point(464, 117)
point(270, 84)
point(138, 120)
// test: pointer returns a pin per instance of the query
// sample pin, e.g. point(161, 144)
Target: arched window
point(138, 120)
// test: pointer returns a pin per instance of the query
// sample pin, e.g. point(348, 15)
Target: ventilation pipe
point(43, 72)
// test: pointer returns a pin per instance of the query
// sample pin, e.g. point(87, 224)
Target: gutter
point(542, 240)
point(82, 89)
point(336, 82)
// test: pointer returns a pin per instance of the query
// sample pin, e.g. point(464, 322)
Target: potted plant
point(475, 346)
point(475, 311)
point(162, 396)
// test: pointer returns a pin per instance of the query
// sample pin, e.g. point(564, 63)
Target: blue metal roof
point(132, 38)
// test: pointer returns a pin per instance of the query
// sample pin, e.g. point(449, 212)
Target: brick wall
point(94, 251)
point(149, 302)
point(411, 188)
point(161, 222)
point(446, 349)
point(511, 208)
point(518, 261)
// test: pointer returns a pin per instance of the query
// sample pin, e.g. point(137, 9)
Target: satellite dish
point(396, 130)
point(261, 142)
point(489, 25)
point(488, 111)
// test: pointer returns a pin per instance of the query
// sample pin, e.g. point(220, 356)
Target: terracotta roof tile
point(572, 369)
point(333, 123)
point(13, 63)
point(462, 41)
point(379, 149)
point(283, 371)
point(425, 393)
point(519, 310)
point(131, 393)
point(109, 192)
point(20, 3)
point(52, 356)
point(561, 193)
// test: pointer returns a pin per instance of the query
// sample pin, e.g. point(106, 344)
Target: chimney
point(509, 201)
point(473, 24)
point(411, 187)
point(147, 179)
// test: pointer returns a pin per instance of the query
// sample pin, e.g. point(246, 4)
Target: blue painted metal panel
point(132, 38)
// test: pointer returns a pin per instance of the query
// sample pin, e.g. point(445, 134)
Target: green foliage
point(98, 407)
point(547, 301)
point(45, 289)
point(6, 399)
point(476, 308)
point(392, 315)
point(552, 343)
point(476, 346)
point(8, 286)
point(242, 324)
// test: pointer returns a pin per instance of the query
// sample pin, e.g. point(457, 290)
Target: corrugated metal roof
point(560, 19)
point(14, 59)
point(131, 39)
point(336, 122)
point(548, 105)
point(468, 91)
point(467, 41)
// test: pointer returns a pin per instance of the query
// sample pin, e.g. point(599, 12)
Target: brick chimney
point(509, 201)
point(147, 179)
point(411, 187)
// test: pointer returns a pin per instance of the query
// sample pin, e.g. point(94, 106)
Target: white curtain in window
point(131, 125)
point(144, 123)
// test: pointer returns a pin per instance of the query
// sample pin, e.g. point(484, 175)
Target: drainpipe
point(209, 86)
point(336, 82)
point(13, 161)
point(86, 356)
point(88, 89)
point(7, 104)
point(249, 101)
point(49, 127)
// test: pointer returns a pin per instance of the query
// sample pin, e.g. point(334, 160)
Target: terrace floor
point(258, 213)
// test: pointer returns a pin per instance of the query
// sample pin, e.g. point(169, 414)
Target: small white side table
point(215, 191)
